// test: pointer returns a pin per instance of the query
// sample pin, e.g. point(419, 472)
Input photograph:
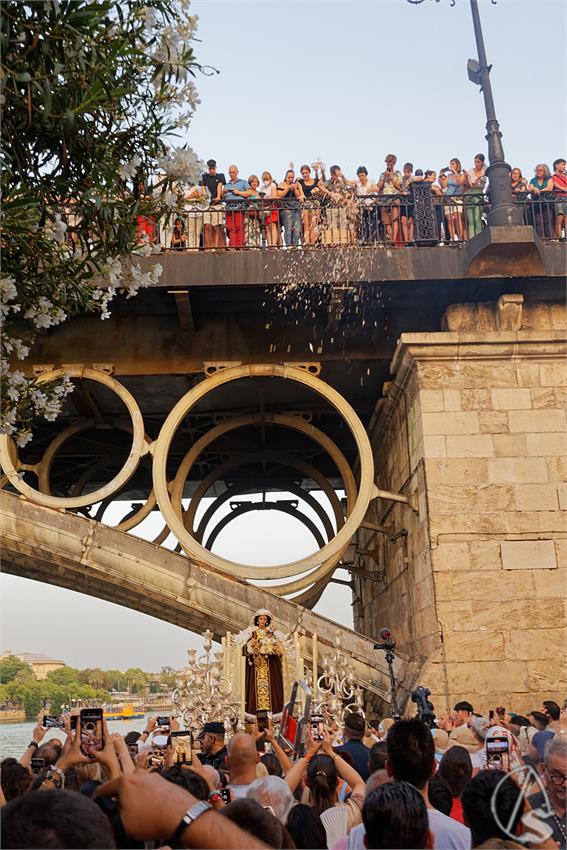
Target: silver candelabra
point(336, 687)
point(202, 692)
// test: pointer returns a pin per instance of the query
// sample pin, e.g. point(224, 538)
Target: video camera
point(387, 641)
point(424, 705)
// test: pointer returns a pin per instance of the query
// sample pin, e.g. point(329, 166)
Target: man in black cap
point(213, 749)
point(354, 731)
point(214, 219)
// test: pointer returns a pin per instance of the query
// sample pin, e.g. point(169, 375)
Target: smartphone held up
point(91, 731)
point(317, 726)
point(182, 743)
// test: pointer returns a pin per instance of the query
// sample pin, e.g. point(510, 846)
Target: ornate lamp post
point(202, 692)
point(503, 211)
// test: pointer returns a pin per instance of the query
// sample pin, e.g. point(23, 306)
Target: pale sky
point(348, 82)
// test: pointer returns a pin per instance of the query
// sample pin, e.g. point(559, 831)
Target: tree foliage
point(62, 686)
point(12, 667)
point(90, 92)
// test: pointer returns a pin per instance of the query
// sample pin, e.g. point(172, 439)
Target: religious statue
point(263, 648)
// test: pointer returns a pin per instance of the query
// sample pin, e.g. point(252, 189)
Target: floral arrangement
point(92, 95)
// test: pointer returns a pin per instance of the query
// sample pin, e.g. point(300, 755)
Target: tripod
point(388, 645)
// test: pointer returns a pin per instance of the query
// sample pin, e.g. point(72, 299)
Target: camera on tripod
point(424, 706)
point(387, 642)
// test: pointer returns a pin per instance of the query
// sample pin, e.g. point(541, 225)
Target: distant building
point(41, 664)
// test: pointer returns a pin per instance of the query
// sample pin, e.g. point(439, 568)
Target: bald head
point(242, 755)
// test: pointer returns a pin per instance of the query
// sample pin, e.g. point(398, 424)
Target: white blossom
point(128, 171)
point(45, 314)
point(183, 164)
point(55, 229)
point(170, 198)
point(8, 289)
point(23, 437)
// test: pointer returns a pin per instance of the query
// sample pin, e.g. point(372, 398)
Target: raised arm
point(345, 771)
point(37, 735)
point(152, 808)
point(293, 777)
point(280, 754)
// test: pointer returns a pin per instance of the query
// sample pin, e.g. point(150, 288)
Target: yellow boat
point(122, 712)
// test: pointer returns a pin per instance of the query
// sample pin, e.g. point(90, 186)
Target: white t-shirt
point(448, 833)
point(238, 791)
point(356, 838)
point(476, 760)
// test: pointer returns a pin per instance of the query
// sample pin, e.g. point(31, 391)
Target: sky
point(347, 82)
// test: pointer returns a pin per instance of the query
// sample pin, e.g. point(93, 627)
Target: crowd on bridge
point(310, 209)
point(451, 784)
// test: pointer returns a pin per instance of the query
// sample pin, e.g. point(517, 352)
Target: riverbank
point(14, 737)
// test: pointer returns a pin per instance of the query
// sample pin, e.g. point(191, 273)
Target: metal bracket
point(108, 368)
point(211, 367)
point(411, 501)
point(307, 415)
point(313, 368)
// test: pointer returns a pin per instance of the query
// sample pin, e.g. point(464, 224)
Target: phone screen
point(163, 722)
point(52, 722)
point(37, 765)
point(92, 736)
point(317, 724)
point(262, 718)
point(182, 743)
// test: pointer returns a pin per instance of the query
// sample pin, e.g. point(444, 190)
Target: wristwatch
point(188, 818)
point(33, 744)
point(57, 783)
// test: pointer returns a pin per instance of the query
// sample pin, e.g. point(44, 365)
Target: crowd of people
point(453, 784)
point(310, 209)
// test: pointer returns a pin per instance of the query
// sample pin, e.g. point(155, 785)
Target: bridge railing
point(417, 218)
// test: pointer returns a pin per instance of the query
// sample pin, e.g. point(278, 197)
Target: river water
point(14, 737)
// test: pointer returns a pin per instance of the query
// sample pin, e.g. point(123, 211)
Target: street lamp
point(503, 211)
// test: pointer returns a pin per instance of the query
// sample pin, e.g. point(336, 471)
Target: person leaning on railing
point(474, 184)
point(252, 229)
point(268, 192)
point(235, 191)
point(390, 183)
point(340, 213)
point(454, 211)
point(310, 212)
point(213, 219)
point(178, 237)
point(541, 190)
point(559, 179)
point(369, 211)
point(291, 193)
point(430, 177)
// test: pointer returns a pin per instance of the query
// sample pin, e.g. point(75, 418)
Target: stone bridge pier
point(473, 427)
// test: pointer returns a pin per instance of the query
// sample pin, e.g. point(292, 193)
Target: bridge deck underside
point(83, 555)
point(157, 343)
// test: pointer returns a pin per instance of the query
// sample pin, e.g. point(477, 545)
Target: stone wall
point(475, 423)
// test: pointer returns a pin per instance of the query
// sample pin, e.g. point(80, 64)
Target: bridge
point(423, 383)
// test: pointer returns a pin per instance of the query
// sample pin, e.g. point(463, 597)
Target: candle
point(242, 686)
point(224, 656)
point(228, 654)
point(315, 665)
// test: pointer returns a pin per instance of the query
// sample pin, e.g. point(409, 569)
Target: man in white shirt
point(411, 758)
point(242, 759)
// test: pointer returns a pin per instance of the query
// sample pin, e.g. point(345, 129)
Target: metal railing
point(419, 217)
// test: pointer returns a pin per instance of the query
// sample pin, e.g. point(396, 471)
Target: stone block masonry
point(481, 593)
